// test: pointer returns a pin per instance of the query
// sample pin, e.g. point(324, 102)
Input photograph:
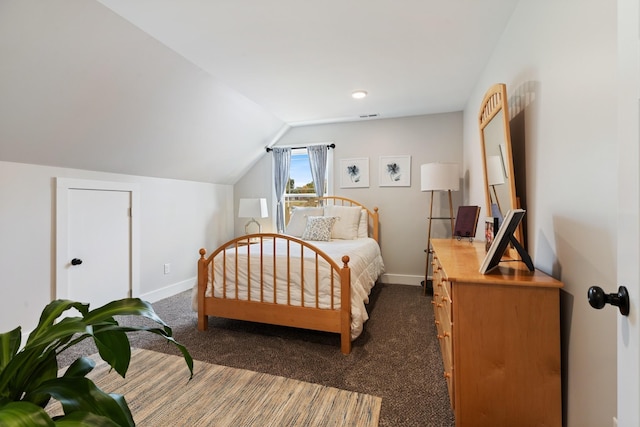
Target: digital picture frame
point(502, 240)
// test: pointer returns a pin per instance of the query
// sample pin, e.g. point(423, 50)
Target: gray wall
point(558, 60)
point(403, 210)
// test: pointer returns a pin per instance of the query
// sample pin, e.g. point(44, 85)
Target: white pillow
point(319, 228)
point(363, 225)
point(298, 220)
point(348, 219)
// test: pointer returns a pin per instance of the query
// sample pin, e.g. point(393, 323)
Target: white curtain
point(282, 162)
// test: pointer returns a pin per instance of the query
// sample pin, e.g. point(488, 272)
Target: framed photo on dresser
point(501, 242)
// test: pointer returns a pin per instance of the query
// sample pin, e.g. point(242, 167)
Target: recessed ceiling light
point(359, 94)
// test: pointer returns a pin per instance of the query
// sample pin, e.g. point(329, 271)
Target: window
point(300, 188)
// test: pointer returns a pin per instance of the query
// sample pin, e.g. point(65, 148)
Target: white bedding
point(365, 263)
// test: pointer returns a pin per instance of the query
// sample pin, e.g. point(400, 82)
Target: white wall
point(177, 219)
point(403, 210)
point(558, 59)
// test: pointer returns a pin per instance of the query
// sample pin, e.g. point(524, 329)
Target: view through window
point(300, 188)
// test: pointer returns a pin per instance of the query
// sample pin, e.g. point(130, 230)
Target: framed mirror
point(497, 156)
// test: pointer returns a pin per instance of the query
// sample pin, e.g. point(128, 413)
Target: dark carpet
point(397, 357)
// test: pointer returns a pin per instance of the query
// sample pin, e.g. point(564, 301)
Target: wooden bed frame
point(337, 320)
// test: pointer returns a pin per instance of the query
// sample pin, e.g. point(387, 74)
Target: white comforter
point(365, 263)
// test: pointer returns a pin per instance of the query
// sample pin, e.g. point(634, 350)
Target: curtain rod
point(297, 148)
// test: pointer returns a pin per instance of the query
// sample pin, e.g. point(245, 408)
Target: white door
point(629, 211)
point(96, 241)
point(99, 246)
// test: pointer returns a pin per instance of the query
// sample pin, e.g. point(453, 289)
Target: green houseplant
point(29, 375)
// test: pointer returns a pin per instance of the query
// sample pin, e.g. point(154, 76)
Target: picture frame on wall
point(395, 171)
point(354, 173)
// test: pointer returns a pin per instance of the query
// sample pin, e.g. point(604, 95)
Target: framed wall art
point(354, 173)
point(395, 171)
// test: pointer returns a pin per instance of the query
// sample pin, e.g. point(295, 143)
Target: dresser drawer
point(441, 302)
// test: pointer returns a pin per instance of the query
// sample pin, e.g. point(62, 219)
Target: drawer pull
point(447, 374)
point(437, 322)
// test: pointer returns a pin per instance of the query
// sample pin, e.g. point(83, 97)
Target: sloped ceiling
point(196, 89)
point(301, 60)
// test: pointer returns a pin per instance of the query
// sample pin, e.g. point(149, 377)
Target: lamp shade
point(440, 177)
point(253, 208)
point(495, 172)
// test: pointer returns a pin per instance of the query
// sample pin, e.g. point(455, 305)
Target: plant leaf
point(23, 414)
point(9, 346)
point(124, 307)
point(80, 367)
point(114, 347)
point(51, 312)
point(44, 370)
point(84, 419)
point(183, 350)
point(133, 306)
point(81, 394)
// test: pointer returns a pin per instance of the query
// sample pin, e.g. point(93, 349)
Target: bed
point(304, 278)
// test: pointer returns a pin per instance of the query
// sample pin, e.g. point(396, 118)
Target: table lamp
point(253, 208)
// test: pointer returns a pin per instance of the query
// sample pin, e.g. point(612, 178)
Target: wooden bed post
point(345, 307)
point(376, 225)
point(203, 320)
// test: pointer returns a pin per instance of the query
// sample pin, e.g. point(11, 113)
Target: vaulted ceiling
point(194, 89)
point(301, 60)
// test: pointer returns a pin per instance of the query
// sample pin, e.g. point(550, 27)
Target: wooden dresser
point(499, 335)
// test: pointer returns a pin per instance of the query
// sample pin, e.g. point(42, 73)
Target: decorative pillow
point(319, 228)
point(347, 225)
point(298, 220)
point(363, 225)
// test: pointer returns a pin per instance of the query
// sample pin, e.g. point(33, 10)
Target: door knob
point(76, 261)
point(598, 299)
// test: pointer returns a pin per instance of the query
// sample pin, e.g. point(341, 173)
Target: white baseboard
point(168, 291)
point(402, 279)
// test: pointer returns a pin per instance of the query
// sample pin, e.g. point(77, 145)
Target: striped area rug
point(159, 394)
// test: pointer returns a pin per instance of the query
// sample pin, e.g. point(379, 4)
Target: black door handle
point(598, 299)
point(76, 261)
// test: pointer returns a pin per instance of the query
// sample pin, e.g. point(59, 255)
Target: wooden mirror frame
point(494, 103)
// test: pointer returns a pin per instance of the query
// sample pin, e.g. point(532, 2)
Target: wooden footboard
point(250, 285)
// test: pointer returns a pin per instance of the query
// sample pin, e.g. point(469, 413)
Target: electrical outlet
point(167, 268)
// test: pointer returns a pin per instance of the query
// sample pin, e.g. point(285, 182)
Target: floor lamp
point(438, 177)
